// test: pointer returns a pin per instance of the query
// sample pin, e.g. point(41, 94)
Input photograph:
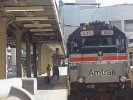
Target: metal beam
point(24, 8)
point(30, 18)
point(37, 25)
point(41, 30)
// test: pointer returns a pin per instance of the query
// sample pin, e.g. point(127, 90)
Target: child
point(48, 73)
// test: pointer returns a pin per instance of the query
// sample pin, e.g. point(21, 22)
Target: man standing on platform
point(56, 63)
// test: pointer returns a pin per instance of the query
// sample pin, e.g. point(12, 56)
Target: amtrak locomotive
point(98, 62)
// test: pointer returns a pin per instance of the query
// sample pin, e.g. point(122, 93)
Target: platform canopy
point(38, 18)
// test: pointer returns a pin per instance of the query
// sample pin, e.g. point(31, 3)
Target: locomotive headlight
point(81, 80)
point(131, 67)
point(123, 79)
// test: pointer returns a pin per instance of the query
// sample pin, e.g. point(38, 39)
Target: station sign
point(43, 38)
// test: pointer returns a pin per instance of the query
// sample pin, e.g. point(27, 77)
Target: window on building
point(128, 25)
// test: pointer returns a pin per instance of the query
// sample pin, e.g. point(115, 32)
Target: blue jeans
point(55, 71)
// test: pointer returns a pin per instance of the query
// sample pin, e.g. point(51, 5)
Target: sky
point(106, 2)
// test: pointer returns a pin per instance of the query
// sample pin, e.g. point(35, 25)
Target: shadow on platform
point(44, 84)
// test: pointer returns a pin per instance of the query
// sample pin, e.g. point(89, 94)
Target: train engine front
point(97, 58)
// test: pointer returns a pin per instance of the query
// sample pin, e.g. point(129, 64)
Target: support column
point(18, 35)
point(13, 57)
point(122, 26)
point(34, 60)
point(39, 59)
point(28, 56)
point(3, 27)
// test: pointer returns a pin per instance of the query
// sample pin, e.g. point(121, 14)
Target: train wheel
point(105, 97)
point(75, 97)
point(120, 98)
point(113, 97)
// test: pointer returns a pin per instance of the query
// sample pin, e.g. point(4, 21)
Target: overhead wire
point(95, 13)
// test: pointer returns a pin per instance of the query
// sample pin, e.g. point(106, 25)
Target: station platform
point(55, 91)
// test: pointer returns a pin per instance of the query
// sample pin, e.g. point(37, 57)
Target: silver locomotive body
point(98, 72)
point(96, 69)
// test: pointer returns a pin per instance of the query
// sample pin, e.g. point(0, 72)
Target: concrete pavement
point(57, 91)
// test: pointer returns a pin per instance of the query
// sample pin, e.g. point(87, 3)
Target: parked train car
point(98, 59)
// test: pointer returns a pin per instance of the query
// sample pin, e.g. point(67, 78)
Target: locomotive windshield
point(98, 41)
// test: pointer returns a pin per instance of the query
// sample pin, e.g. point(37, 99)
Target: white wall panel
point(72, 15)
